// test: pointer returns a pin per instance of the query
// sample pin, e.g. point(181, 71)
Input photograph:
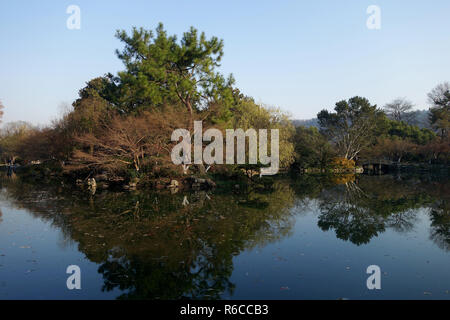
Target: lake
point(301, 238)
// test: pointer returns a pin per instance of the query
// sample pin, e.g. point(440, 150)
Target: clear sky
point(302, 56)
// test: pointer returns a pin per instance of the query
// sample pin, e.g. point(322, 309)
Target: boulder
point(174, 184)
point(92, 183)
point(198, 183)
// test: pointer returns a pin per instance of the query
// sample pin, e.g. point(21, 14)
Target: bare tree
point(127, 141)
point(11, 136)
point(439, 96)
point(399, 110)
point(391, 148)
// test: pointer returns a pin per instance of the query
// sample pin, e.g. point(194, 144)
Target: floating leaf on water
point(31, 270)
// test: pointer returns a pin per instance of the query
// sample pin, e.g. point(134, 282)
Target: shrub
point(342, 163)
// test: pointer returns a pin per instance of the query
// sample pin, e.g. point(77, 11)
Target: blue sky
point(302, 56)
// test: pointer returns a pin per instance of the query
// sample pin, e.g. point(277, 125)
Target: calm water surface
point(305, 238)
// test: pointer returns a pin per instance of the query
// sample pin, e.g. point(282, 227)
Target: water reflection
point(440, 225)
point(171, 246)
point(155, 245)
point(359, 211)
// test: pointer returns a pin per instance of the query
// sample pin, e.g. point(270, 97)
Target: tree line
point(121, 124)
point(358, 131)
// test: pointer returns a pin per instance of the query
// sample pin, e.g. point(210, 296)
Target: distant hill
point(306, 123)
point(418, 118)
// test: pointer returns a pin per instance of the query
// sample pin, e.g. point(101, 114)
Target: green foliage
point(312, 150)
point(126, 120)
point(413, 133)
point(93, 105)
point(247, 114)
point(159, 70)
point(440, 111)
point(352, 126)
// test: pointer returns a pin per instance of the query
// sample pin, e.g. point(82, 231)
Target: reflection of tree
point(149, 245)
point(341, 211)
point(440, 224)
point(402, 221)
point(152, 246)
point(359, 211)
point(150, 278)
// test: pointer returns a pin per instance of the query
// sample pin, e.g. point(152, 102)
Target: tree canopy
point(440, 110)
point(399, 110)
point(161, 70)
point(352, 126)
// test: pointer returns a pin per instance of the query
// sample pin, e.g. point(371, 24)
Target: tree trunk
point(189, 107)
point(191, 120)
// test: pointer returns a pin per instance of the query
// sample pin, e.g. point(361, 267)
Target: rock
point(198, 183)
point(132, 185)
point(92, 183)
